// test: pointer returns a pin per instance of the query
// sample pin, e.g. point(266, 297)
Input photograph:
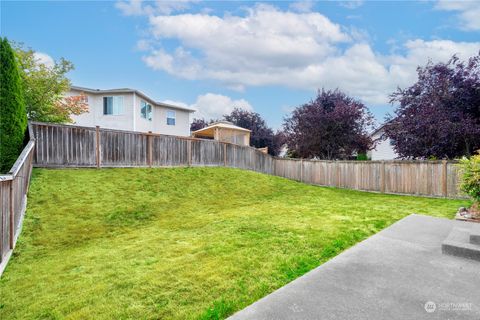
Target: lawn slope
point(180, 243)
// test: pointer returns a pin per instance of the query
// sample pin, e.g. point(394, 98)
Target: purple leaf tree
point(262, 135)
point(438, 116)
point(333, 126)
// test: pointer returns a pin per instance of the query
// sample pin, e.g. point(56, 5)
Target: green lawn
point(180, 243)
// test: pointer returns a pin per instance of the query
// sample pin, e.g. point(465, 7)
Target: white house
point(383, 149)
point(129, 109)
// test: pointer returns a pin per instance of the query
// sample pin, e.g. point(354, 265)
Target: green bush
point(470, 168)
point(362, 157)
point(13, 117)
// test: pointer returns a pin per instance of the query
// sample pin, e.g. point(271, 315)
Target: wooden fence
point(426, 178)
point(73, 146)
point(13, 197)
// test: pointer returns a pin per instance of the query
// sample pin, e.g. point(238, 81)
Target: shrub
point(13, 117)
point(470, 168)
point(362, 157)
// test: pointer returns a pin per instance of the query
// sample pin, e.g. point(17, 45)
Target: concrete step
point(475, 234)
point(458, 244)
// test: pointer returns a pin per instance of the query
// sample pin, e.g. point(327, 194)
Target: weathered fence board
point(13, 197)
point(207, 153)
point(122, 149)
point(168, 151)
point(64, 145)
point(5, 218)
point(427, 178)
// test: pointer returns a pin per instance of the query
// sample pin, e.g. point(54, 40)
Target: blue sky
point(265, 56)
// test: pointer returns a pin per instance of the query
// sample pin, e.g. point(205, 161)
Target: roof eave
point(128, 90)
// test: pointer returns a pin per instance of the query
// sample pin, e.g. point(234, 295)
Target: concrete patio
point(399, 273)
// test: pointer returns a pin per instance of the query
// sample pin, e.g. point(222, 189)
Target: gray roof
point(128, 90)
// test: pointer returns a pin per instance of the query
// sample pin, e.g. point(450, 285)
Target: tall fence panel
point(248, 158)
point(64, 146)
point(5, 218)
point(428, 178)
point(289, 168)
point(13, 197)
point(122, 148)
point(207, 153)
point(169, 151)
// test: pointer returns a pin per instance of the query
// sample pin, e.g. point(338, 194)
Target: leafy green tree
point(44, 88)
point(13, 117)
point(470, 181)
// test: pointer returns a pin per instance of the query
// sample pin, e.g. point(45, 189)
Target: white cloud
point(143, 45)
point(302, 6)
point(140, 7)
point(43, 58)
point(130, 8)
point(468, 12)
point(267, 46)
point(213, 106)
point(353, 4)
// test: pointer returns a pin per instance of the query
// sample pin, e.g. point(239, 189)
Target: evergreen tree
point(13, 117)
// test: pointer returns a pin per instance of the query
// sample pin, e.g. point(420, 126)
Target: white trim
point(134, 110)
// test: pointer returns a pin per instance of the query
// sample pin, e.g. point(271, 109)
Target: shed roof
point(220, 124)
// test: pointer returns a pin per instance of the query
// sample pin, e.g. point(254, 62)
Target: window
point(170, 117)
point(113, 105)
point(146, 110)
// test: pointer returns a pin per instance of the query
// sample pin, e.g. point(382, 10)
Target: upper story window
point(146, 110)
point(170, 117)
point(113, 105)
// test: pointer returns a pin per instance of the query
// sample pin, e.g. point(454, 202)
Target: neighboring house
point(283, 153)
point(226, 132)
point(383, 149)
point(129, 109)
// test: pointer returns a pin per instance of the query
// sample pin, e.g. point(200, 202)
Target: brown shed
point(224, 131)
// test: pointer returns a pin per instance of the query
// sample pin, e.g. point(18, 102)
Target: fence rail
point(13, 196)
point(74, 146)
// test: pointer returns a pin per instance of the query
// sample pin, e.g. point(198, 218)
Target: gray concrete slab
point(475, 234)
point(458, 243)
point(391, 275)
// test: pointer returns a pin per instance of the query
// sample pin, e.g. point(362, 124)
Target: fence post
point(444, 178)
point(224, 154)
point(149, 149)
point(301, 170)
point(337, 168)
point(382, 177)
point(97, 146)
point(12, 215)
point(189, 152)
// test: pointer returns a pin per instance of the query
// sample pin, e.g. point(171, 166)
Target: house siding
point(383, 148)
point(131, 118)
